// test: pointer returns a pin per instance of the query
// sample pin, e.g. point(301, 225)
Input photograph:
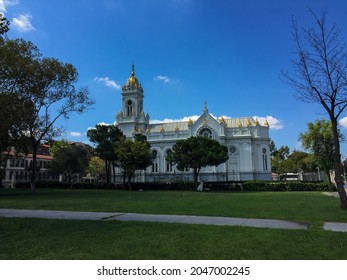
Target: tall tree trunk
point(3, 166)
point(124, 177)
point(327, 172)
point(129, 183)
point(337, 164)
point(34, 169)
point(196, 174)
point(113, 172)
point(107, 169)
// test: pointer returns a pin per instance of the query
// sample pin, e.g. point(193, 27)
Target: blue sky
point(228, 53)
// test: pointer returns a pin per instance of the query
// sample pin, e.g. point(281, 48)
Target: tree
point(46, 84)
point(70, 158)
point(132, 156)
point(297, 161)
point(320, 141)
point(197, 152)
point(13, 127)
point(106, 138)
point(96, 166)
point(320, 67)
point(278, 158)
point(4, 24)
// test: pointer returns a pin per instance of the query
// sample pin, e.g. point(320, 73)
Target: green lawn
point(311, 207)
point(64, 239)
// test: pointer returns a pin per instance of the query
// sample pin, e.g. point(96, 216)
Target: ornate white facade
point(246, 139)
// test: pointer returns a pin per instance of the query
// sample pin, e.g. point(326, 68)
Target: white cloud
point(75, 134)
point(101, 123)
point(6, 3)
point(22, 23)
point(343, 122)
point(165, 79)
point(108, 82)
point(274, 123)
point(184, 119)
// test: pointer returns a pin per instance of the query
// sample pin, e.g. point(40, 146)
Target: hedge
point(255, 186)
point(285, 186)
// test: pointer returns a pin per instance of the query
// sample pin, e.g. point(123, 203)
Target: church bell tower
point(132, 118)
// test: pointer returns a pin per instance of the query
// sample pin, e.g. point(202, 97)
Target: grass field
point(60, 239)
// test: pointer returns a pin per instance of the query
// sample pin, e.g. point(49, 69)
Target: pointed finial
point(133, 70)
point(205, 107)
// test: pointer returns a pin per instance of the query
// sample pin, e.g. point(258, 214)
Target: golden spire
point(248, 122)
point(222, 120)
point(256, 121)
point(132, 81)
point(266, 123)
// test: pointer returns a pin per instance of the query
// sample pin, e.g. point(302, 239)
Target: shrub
point(255, 186)
point(285, 186)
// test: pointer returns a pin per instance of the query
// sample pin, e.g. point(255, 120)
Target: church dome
point(132, 81)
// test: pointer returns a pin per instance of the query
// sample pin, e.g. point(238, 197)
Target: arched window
point(129, 108)
point(155, 164)
point(169, 166)
point(264, 151)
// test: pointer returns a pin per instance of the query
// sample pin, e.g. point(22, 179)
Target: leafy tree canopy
point(70, 158)
point(4, 24)
point(106, 138)
point(133, 155)
point(45, 85)
point(319, 140)
point(197, 152)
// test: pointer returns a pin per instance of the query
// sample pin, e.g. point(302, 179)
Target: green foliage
point(70, 158)
point(106, 138)
point(320, 141)
point(96, 166)
point(279, 156)
point(264, 186)
point(14, 115)
point(285, 161)
point(45, 85)
point(4, 24)
point(132, 156)
point(197, 152)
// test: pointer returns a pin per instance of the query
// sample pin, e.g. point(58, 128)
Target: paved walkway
point(184, 219)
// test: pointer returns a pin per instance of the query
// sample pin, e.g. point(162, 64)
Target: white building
point(17, 168)
point(246, 139)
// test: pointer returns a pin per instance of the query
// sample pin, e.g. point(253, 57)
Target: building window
point(155, 165)
point(169, 166)
point(129, 108)
point(232, 149)
point(264, 160)
point(205, 132)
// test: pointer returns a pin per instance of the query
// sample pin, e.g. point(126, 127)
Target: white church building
point(246, 139)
